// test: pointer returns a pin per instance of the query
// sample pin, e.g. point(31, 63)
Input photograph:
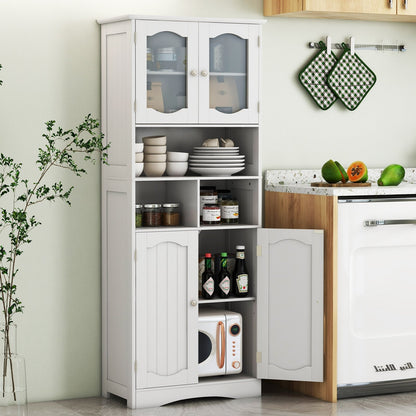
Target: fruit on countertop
point(392, 175)
point(343, 173)
point(333, 172)
point(357, 172)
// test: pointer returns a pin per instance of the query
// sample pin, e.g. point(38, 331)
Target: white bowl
point(138, 147)
point(156, 157)
point(154, 140)
point(138, 168)
point(155, 149)
point(176, 168)
point(139, 157)
point(154, 168)
point(177, 156)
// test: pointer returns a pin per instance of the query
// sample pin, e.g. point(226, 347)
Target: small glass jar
point(171, 215)
point(223, 193)
point(152, 215)
point(211, 214)
point(166, 59)
point(207, 195)
point(229, 210)
point(139, 215)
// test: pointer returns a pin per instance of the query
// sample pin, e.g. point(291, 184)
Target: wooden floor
point(284, 403)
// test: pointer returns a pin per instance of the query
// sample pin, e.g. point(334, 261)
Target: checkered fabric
point(351, 79)
point(314, 78)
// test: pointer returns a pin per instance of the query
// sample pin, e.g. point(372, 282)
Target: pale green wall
point(50, 53)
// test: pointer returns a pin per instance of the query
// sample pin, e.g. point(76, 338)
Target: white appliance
point(220, 343)
point(376, 295)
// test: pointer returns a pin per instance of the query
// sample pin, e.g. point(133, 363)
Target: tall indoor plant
point(62, 149)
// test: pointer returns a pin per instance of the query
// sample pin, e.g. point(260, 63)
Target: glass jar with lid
point(211, 214)
point(139, 215)
point(229, 210)
point(171, 215)
point(207, 195)
point(152, 215)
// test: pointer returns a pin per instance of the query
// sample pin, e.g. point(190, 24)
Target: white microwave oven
point(220, 335)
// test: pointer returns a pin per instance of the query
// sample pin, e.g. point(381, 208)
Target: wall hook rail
point(364, 46)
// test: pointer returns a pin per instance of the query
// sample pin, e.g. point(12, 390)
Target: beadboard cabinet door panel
point(167, 317)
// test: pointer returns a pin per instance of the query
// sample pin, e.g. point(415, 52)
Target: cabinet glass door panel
point(166, 58)
point(166, 75)
point(228, 73)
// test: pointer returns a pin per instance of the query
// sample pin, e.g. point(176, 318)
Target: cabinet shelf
point(192, 178)
point(166, 73)
point(200, 228)
point(227, 74)
point(228, 300)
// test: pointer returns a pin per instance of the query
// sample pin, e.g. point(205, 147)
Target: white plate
point(215, 154)
point(218, 149)
point(219, 157)
point(216, 171)
point(219, 162)
point(214, 165)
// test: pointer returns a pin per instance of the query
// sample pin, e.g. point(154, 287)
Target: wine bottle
point(208, 283)
point(224, 278)
point(240, 275)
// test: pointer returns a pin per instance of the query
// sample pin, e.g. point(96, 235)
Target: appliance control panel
point(234, 344)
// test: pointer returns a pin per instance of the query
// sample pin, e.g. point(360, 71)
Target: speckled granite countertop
point(299, 181)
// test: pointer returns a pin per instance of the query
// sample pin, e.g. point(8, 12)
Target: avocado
point(392, 175)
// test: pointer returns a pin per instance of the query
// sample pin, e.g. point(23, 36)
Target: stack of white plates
point(216, 161)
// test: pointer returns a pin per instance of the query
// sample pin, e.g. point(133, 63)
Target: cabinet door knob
point(194, 302)
point(204, 73)
point(194, 73)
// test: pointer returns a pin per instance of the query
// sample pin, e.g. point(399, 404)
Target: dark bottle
point(208, 283)
point(240, 275)
point(224, 278)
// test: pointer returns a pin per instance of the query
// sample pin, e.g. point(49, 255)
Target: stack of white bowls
point(154, 155)
point(177, 163)
point(138, 166)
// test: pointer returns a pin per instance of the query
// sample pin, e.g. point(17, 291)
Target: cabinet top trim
point(181, 19)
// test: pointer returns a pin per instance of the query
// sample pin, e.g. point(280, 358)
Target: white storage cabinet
point(192, 79)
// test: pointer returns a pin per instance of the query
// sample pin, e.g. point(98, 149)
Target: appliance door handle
point(220, 345)
point(375, 223)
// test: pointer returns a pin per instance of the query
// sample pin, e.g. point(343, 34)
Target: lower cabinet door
point(290, 304)
point(166, 308)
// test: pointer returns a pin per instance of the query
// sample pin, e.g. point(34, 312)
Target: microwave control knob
point(236, 364)
point(194, 302)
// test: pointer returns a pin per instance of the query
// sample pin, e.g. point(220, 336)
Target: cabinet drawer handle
point(391, 4)
point(405, 4)
point(194, 302)
point(204, 73)
point(194, 73)
point(375, 223)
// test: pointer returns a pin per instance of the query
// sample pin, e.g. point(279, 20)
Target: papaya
point(343, 173)
point(331, 172)
point(357, 172)
point(392, 175)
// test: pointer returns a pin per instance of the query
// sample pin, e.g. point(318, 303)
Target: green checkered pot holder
point(314, 77)
point(351, 79)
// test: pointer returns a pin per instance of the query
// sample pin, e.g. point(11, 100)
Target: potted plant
point(63, 149)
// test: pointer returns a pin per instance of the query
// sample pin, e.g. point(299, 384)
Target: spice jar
point(139, 215)
point(152, 215)
point(229, 210)
point(211, 214)
point(207, 195)
point(171, 214)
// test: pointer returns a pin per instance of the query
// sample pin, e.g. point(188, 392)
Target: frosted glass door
point(228, 73)
point(166, 86)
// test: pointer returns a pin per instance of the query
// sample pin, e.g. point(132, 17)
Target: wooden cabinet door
point(351, 6)
point(290, 304)
point(406, 7)
point(166, 308)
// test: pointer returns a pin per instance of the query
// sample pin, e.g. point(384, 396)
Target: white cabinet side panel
point(290, 295)
point(117, 97)
point(166, 321)
point(117, 282)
